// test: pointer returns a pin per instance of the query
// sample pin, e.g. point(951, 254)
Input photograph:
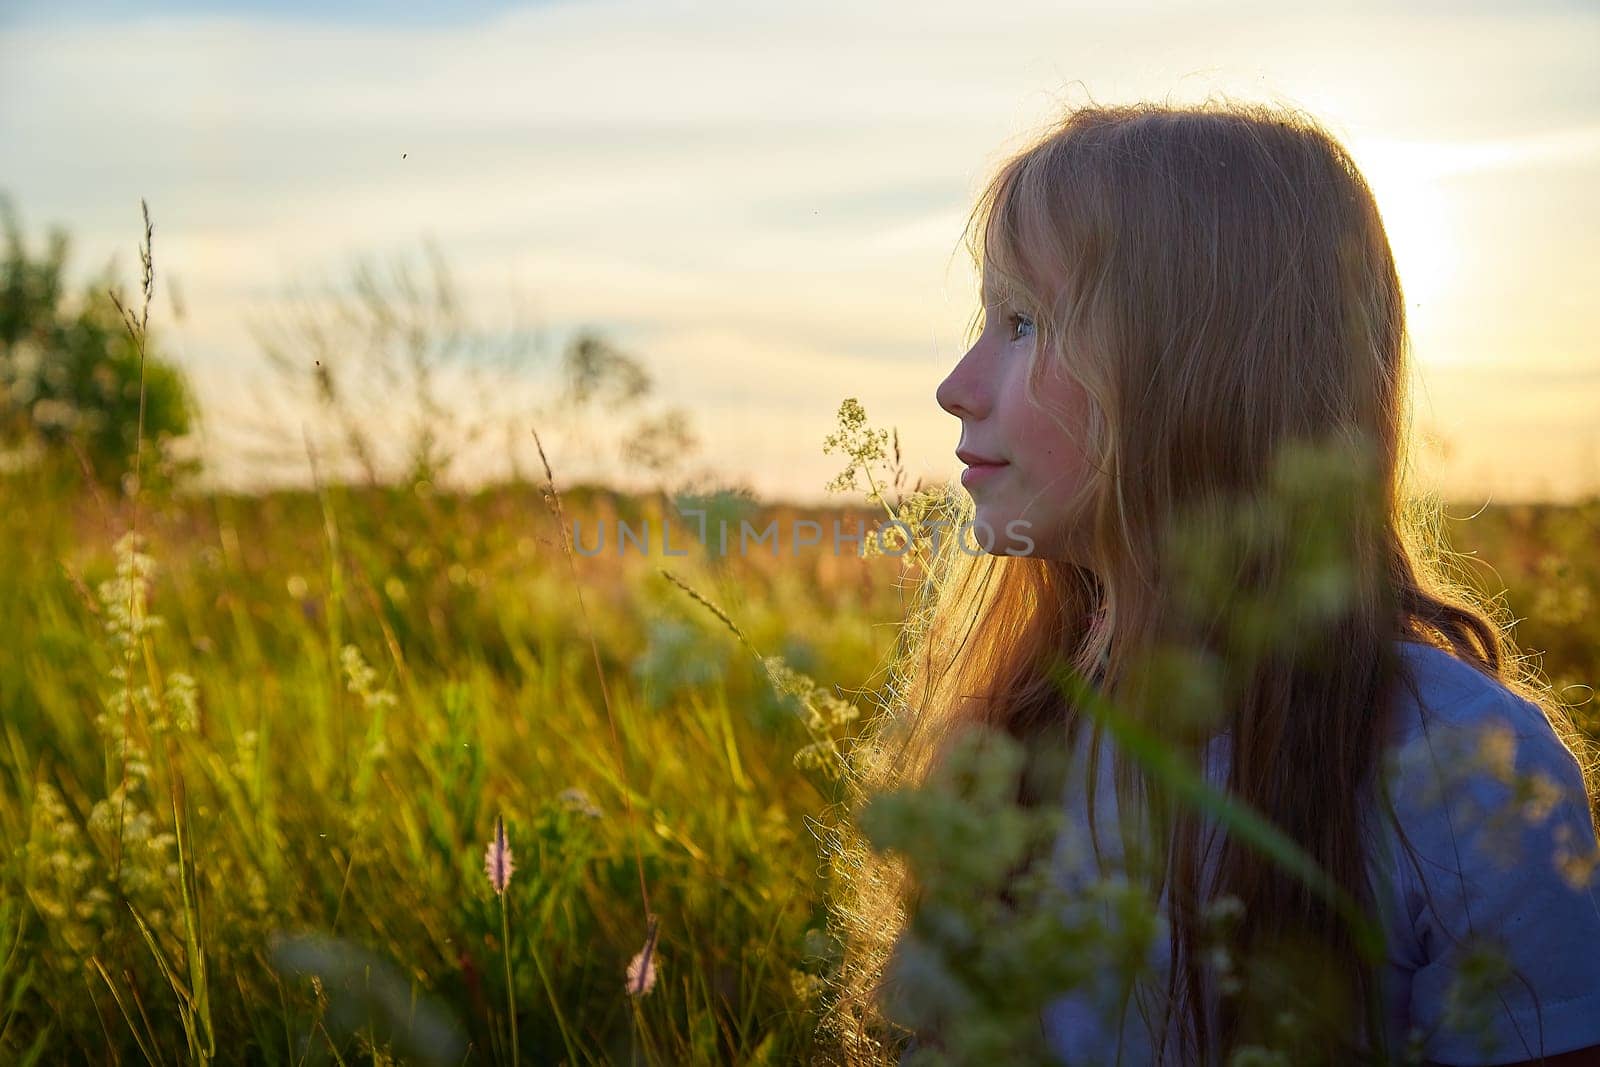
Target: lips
point(980, 468)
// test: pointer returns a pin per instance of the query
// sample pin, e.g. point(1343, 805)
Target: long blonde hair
point(1218, 279)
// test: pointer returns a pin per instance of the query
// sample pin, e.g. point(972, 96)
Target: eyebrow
point(992, 299)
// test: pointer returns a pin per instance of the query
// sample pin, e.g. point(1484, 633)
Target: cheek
point(1054, 469)
point(1048, 441)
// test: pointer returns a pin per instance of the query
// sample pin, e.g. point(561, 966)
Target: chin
point(991, 529)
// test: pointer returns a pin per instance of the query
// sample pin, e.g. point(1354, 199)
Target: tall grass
point(253, 746)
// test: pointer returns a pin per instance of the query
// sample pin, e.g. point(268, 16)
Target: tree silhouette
point(70, 373)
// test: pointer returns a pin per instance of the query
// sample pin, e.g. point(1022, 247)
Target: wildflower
point(642, 968)
point(575, 799)
point(1577, 866)
point(824, 713)
point(817, 756)
point(125, 599)
point(498, 866)
point(863, 445)
point(497, 862)
point(807, 986)
point(1497, 751)
point(245, 751)
point(183, 704)
point(361, 680)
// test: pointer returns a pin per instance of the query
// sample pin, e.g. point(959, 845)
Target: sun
point(1419, 212)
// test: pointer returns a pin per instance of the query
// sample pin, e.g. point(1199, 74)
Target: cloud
point(766, 200)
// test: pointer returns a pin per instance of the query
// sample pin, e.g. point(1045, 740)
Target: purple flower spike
point(642, 968)
point(497, 861)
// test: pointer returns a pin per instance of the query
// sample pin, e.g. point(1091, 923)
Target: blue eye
point(1017, 321)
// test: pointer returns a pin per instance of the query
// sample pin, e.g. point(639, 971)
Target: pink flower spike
point(497, 861)
point(642, 968)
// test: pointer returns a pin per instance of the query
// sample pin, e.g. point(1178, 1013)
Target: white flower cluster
point(824, 714)
point(125, 603)
point(60, 876)
point(124, 850)
point(362, 680)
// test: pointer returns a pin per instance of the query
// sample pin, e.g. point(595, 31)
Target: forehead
point(994, 288)
point(1006, 273)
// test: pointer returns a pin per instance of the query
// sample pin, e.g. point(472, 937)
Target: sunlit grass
point(349, 754)
point(253, 747)
point(350, 751)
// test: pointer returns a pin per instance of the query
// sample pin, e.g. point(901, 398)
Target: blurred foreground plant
point(987, 947)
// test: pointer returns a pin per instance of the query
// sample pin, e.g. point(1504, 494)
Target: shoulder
point(1467, 756)
point(1499, 923)
point(1464, 725)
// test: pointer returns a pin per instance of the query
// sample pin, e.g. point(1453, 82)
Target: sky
point(764, 203)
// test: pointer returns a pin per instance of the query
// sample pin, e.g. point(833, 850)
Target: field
point(247, 801)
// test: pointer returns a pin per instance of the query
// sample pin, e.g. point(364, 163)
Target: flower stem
point(511, 989)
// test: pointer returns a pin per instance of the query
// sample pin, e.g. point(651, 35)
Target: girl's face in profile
point(1022, 463)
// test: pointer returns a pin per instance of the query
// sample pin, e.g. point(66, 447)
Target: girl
point(1185, 309)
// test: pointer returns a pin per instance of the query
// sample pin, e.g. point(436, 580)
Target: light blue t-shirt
point(1493, 804)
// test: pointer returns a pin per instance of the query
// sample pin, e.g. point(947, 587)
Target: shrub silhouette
point(70, 371)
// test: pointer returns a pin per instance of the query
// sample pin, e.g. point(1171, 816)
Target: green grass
point(319, 801)
point(351, 795)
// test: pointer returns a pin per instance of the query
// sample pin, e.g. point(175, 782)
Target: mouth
point(973, 459)
point(979, 468)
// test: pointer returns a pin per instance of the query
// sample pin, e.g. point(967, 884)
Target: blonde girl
point(1181, 304)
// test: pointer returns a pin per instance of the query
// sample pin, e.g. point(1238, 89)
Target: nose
point(962, 392)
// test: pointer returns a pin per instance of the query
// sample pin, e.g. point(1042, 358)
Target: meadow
point(388, 772)
point(321, 702)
